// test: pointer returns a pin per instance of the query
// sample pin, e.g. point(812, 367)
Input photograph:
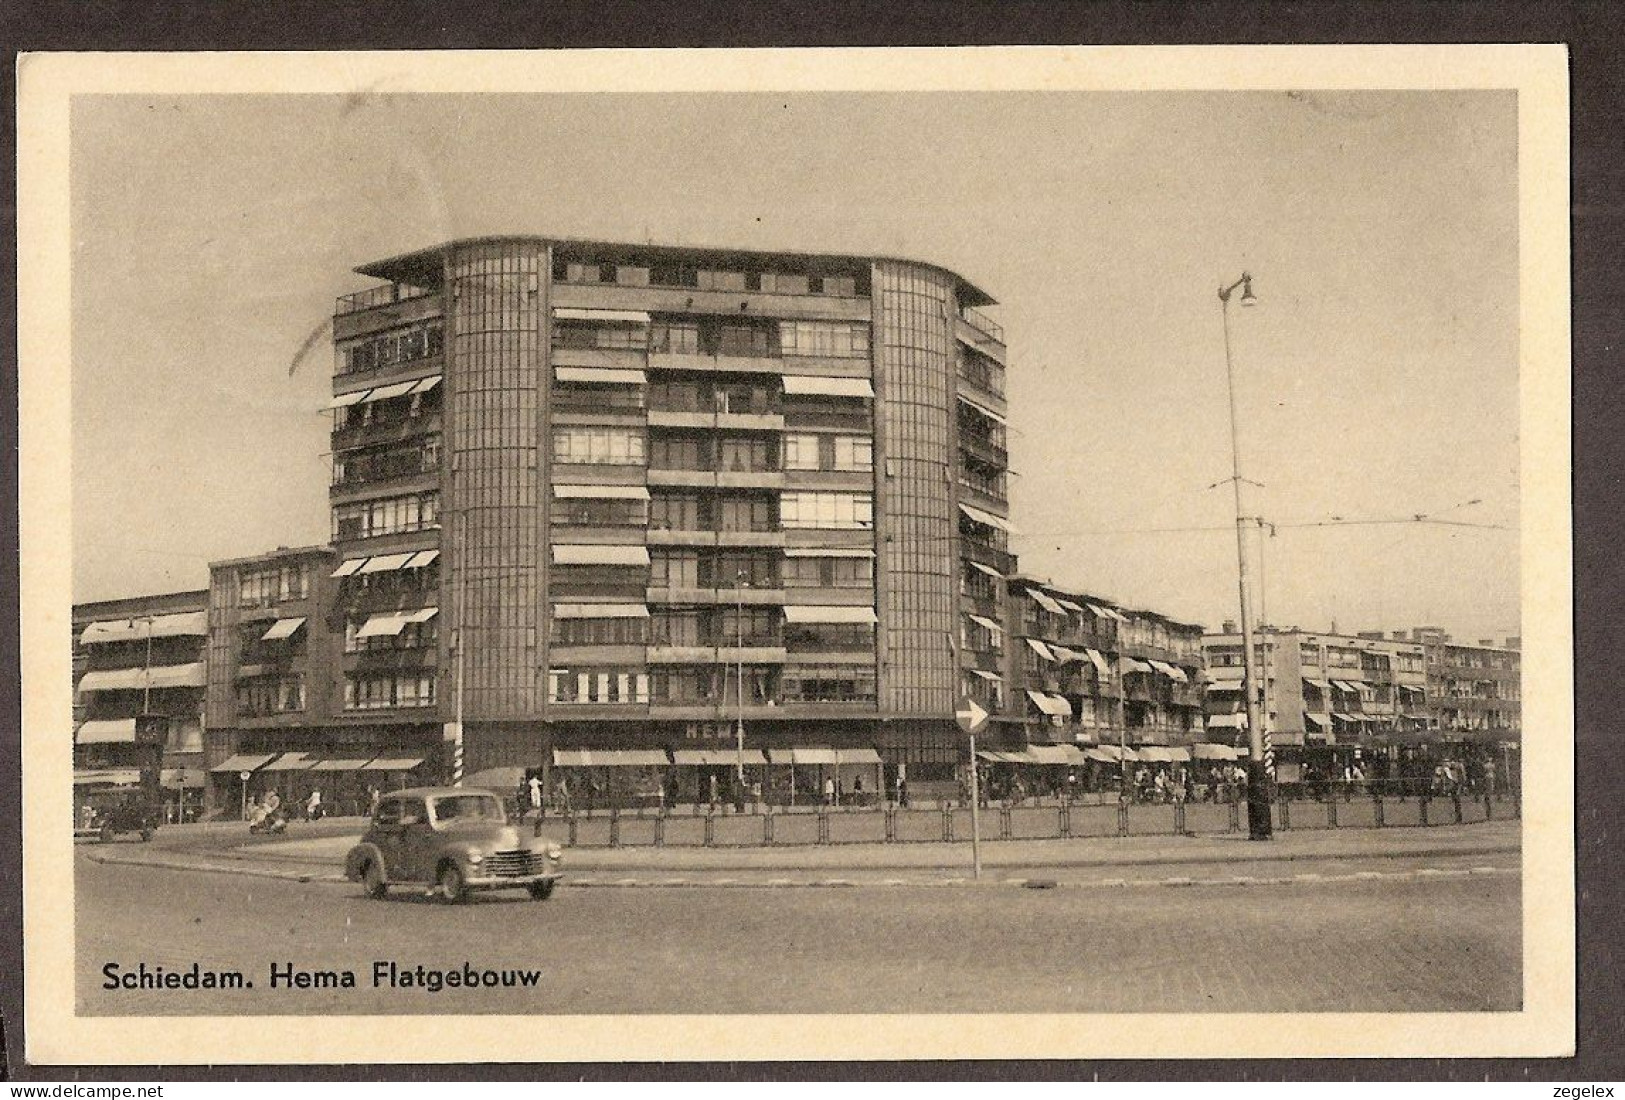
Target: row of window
point(386, 516)
point(378, 692)
point(388, 412)
point(693, 569)
point(713, 686)
point(981, 372)
point(826, 511)
point(262, 586)
point(400, 346)
point(381, 464)
point(422, 635)
point(699, 278)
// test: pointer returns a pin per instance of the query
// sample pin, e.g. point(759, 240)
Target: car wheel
point(450, 882)
point(540, 891)
point(107, 834)
point(372, 877)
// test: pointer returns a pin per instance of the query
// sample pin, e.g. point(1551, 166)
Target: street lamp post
point(1258, 771)
point(739, 644)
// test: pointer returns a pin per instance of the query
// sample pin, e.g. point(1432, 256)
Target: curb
point(591, 882)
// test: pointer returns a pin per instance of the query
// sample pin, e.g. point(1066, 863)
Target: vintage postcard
point(796, 554)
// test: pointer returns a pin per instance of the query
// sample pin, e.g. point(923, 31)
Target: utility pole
point(1259, 826)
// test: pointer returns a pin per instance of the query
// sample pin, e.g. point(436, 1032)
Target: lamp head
point(1248, 298)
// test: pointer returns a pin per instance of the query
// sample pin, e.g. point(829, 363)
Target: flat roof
point(122, 606)
point(422, 266)
point(272, 555)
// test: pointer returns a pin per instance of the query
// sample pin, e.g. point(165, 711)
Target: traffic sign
point(970, 715)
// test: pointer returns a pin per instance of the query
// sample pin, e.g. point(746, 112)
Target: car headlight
point(475, 855)
point(555, 853)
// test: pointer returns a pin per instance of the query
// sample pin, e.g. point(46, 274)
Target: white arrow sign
point(970, 715)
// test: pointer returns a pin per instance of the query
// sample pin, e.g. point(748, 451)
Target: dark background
point(1594, 30)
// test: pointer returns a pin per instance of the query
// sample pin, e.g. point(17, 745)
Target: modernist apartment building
point(608, 498)
point(1474, 689)
point(1086, 672)
point(135, 657)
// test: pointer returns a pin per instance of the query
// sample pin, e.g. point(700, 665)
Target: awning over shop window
point(244, 762)
point(579, 554)
point(987, 519)
point(1102, 754)
point(988, 569)
point(817, 385)
point(1040, 648)
point(1043, 600)
point(282, 628)
point(191, 624)
point(1067, 756)
point(827, 758)
point(615, 376)
point(829, 552)
point(1227, 721)
point(290, 762)
point(601, 492)
point(107, 777)
point(610, 758)
point(1225, 672)
point(351, 765)
point(600, 611)
point(392, 764)
point(997, 418)
point(1050, 704)
point(718, 758)
point(1207, 751)
point(811, 613)
point(106, 731)
point(183, 778)
point(610, 316)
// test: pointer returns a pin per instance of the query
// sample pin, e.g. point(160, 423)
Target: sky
point(1377, 379)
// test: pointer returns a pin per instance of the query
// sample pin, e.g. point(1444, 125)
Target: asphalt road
point(1392, 944)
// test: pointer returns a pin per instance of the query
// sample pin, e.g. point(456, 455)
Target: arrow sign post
point(972, 716)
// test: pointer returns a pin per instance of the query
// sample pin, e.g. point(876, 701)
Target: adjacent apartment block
point(138, 657)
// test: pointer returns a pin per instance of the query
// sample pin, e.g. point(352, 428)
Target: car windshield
point(468, 807)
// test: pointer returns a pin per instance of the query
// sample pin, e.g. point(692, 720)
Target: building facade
point(630, 498)
point(143, 656)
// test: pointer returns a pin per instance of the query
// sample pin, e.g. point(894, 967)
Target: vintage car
point(107, 813)
point(450, 840)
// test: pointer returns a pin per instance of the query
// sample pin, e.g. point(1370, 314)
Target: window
point(724, 571)
point(674, 569)
point(745, 455)
point(809, 451)
point(669, 512)
point(854, 452)
point(377, 692)
point(679, 453)
point(981, 372)
point(424, 635)
point(361, 467)
point(829, 572)
point(586, 334)
point(675, 337)
point(407, 345)
point(745, 514)
point(691, 686)
point(264, 586)
point(721, 280)
point(828, 684)
point(801, 452)
point(600, 631)
point(593, 512)
point(827, 511)
point(266, 695)
point(752, 626)
point(745, 339)
point(601, 686)
point(828, 636)
point(835, 339)
point(386, 516)
point(679, 627)
point(598, 446)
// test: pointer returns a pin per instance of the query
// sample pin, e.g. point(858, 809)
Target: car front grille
point(514, 864)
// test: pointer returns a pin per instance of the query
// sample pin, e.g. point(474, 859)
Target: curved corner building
point(605, 501)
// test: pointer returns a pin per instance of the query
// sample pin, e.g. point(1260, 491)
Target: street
point(1446, 943)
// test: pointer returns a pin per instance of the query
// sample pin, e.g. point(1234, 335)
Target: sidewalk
point(321, 858)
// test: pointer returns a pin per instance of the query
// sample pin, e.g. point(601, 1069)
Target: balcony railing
point(982, 323)
point(378, 296)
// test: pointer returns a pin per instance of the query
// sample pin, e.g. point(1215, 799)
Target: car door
point(417, 841)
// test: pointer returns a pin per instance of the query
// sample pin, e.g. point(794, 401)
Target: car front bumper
point(476, 881)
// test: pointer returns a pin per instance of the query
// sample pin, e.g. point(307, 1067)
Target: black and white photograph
point(796, 554)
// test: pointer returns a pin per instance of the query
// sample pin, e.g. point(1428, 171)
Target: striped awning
point(106, 731)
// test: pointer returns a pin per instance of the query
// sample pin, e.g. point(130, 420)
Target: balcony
point(769, 419)
point(754, 595)
point(715, 654)
point(985, 450)
point(372, 298)
point(379, 431)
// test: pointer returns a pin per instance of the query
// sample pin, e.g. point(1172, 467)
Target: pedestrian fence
point(1030, 819)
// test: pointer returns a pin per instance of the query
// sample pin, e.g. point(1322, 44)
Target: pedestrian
point(829, 790)
point(1489, 778)
point(902, 791)
point(533, 788)
point(562, 794)
point(313, 806)
point(373, 795)
point(857, 790)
